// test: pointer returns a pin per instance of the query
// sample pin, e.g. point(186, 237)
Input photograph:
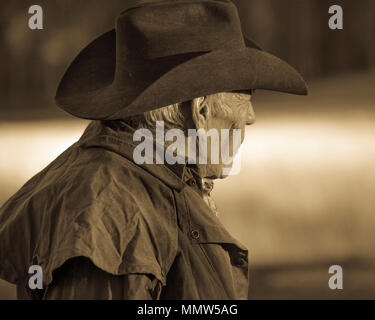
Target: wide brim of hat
point(88, 89)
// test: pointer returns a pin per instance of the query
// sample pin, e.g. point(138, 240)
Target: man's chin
point(219, 173)
point(223, 176)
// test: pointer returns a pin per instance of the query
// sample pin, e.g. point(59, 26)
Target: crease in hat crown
point(169, 28)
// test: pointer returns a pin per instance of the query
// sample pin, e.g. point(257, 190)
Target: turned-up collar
point(117, 137)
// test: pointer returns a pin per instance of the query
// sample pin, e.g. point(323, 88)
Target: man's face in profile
point(230, 125)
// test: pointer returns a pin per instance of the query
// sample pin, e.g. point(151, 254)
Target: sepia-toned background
point(304, 199)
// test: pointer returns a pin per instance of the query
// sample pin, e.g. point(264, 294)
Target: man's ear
point(200, 112)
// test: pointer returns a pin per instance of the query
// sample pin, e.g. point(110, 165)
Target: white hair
point(173, 115)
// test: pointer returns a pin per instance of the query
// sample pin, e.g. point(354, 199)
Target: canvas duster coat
point(102, 227)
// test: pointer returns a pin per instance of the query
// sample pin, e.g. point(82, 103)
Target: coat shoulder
point(92, 203)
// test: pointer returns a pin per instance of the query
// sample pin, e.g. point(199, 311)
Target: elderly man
point(102, 225)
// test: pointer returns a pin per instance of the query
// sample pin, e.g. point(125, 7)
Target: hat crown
point(169, 28)
point(166, 52)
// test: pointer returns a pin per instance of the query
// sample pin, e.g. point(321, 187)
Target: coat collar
point(117, 137)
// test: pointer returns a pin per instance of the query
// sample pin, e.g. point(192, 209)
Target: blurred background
point(305, 197)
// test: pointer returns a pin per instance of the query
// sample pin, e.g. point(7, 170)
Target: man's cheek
point(236, 139)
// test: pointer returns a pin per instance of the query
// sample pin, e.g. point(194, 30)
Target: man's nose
point(251, 118)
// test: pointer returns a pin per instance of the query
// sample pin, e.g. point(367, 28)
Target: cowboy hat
point(165, 52)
